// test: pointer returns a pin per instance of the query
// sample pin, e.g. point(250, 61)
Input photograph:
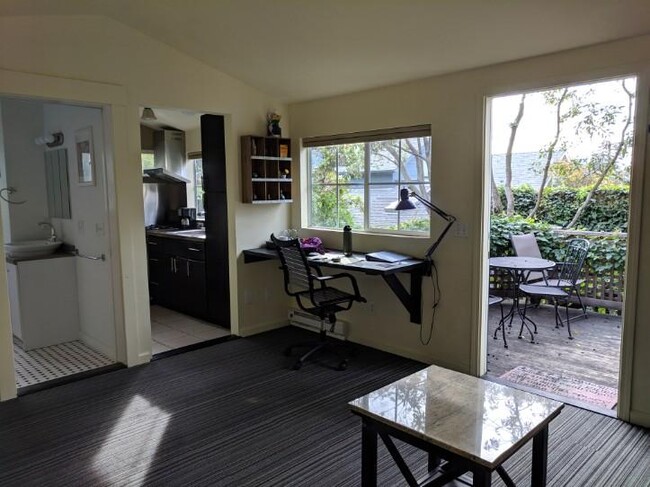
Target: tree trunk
point(549, 154)
point(497, 206)
point(510, 200)
point(609, 166)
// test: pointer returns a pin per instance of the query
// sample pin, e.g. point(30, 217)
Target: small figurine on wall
point(273, 124)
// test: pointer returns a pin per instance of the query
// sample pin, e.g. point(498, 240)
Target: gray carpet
point(233, 414)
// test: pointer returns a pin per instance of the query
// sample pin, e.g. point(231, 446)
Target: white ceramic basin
point(31, 248)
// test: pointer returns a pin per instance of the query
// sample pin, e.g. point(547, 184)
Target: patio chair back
point(526, 246)
point(574, 259)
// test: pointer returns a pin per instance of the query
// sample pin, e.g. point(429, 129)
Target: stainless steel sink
point(196, 231)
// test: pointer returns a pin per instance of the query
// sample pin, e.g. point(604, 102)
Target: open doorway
point(56, 230)
point(560, 164)
point(186, 309)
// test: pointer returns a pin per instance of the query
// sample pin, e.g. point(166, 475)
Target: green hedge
point(608, 211)
point(606, 254)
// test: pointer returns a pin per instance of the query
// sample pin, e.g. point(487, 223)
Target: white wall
point(22, 122)
point(117, 65)
point(454, 106)
point(88, 229)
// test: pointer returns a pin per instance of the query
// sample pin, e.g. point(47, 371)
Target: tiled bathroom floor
point(171, 330)
point(47, 363)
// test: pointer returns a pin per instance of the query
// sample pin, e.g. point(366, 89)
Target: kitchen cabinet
point(177, 277)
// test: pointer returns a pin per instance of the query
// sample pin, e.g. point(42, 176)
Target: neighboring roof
point(526, 168)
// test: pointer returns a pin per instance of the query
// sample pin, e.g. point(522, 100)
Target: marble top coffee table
point(472, 424)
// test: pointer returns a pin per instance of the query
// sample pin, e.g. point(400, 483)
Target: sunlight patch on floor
point(130, 448)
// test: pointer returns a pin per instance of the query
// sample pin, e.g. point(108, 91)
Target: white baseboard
point(261, 328)
point(97, 345)
point(640, 418)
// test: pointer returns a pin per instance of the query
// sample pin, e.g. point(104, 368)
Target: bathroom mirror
point(58, 185)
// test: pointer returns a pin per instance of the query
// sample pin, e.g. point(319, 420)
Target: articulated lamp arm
point(450, 219)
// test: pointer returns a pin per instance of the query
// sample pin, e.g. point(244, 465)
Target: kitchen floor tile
point(157, 347)
point(179, 341)
point(170, 330)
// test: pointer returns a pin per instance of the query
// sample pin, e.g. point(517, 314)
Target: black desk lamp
point(405, 203)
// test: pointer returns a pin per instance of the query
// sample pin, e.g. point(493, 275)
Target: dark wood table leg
point(434, 461)
point(481, 477)
point(368, 454)
point(540, 458)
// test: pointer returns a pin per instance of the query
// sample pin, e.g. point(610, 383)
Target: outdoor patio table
point(519, 268)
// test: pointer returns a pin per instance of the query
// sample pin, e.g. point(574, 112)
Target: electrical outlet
point(81, 226)
point(267, 294)
point(248, 296)
point(461, 230)
point(99, 229)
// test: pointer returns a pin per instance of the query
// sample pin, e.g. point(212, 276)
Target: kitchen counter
point(197, 234)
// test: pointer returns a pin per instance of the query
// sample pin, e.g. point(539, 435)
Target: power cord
point(436, 300)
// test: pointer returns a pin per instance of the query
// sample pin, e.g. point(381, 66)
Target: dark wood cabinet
point(266, 170)
point(177, 277)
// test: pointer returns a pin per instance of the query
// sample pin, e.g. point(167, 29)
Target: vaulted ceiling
point(305, 49)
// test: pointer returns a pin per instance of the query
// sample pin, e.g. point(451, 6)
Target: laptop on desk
point(386, 256)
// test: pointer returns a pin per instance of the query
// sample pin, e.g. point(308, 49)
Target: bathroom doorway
point(57, 236)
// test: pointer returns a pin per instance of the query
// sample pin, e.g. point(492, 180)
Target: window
point(195, 164)
point(146, 157)
point(351, 183)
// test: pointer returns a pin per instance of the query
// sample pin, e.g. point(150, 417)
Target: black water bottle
point(347, 241)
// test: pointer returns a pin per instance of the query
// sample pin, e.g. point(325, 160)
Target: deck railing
point(602, 290)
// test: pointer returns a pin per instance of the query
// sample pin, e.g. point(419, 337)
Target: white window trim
point(316, 142)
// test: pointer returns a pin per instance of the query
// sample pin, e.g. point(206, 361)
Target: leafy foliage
point(607, 212)
point(606, 254)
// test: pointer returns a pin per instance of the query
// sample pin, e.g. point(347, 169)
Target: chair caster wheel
point(297, 365)
point(343, 365)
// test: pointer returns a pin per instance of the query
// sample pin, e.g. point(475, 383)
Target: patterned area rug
point(581, 390)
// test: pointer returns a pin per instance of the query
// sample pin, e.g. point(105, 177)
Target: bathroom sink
point(31, 248)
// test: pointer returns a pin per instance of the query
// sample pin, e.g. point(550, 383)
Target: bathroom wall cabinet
point(43, 301)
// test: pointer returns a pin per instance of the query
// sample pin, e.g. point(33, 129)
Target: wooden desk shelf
point(266, 170)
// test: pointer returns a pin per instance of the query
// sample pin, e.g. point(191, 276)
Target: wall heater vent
point(298, 317)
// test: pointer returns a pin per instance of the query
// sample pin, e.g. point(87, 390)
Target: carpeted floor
point(234, 415)
point(563, 385)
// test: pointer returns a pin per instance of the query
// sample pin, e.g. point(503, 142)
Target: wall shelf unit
point(266, 170)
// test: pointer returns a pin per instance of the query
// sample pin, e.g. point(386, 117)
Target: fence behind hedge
point(603, 272)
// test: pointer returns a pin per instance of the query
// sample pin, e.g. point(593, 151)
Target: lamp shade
point(404, 203)
point(148, 114)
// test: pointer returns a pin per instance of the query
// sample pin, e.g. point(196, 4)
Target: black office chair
point(314, 296)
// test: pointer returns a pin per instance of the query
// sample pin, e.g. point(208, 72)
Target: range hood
point(161, 175)
point(169, 158)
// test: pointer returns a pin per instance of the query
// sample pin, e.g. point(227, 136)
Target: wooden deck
point(593, 354)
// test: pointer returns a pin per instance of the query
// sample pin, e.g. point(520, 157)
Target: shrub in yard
point(607, 212)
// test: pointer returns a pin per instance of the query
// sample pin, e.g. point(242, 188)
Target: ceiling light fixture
point(148, 114)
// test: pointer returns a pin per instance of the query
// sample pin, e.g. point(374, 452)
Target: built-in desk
point(411, 299)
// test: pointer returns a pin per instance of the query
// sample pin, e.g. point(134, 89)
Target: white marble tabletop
point(480, 420)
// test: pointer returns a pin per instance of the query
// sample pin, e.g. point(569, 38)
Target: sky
point(538, 125)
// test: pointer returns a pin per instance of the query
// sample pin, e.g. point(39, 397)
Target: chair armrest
point(355, 286)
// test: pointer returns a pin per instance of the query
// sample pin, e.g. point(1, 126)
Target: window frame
point(192, 157)
point(367, 184)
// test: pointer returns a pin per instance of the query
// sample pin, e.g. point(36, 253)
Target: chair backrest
point(525, 245)
point(574, 259)
point(294, 264)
